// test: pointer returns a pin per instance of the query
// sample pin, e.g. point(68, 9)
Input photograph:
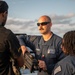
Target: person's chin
point(41, 32)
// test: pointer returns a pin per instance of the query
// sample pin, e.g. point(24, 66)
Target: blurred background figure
point(67, 65)
point(9, 44)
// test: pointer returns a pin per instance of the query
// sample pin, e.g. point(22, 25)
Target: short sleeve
point(14, 45)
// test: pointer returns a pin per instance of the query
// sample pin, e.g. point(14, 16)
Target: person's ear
point(4, 14)
point(51, 24)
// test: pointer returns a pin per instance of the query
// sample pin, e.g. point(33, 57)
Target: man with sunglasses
point(9, 44)
point(67, 65)
point(48, 50)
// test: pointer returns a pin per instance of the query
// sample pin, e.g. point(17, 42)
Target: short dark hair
point(3, 6)
point(69, 42)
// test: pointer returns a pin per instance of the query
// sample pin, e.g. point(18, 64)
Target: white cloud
point(71, 15)
point(60, 29)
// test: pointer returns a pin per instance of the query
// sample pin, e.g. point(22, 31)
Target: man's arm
point(25, 44)
point(15, 50)
point(20, 60)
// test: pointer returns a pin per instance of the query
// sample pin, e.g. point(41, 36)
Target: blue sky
point(23, 15)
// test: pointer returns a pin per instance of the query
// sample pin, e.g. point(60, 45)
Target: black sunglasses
point(43, 23)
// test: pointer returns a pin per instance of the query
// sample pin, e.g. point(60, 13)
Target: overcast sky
point(23, 15)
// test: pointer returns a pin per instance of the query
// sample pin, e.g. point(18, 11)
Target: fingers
point(24, 49)
point(42, 64)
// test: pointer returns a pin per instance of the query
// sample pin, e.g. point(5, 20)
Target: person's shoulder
point(21, 36)
point(65, 61)
point(61, 66)
point(57, 36)
point(35, 38)
point(9, 33)
point(6, 31)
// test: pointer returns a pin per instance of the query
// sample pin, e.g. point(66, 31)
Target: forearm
point(20, 60)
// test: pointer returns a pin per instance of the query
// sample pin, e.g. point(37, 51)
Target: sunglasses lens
point(43, 23)
point(38, 24)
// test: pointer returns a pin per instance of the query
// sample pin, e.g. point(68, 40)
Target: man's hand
point(24, 49)
point(42, 64)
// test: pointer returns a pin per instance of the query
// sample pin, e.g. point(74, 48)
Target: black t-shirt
point(9, 47)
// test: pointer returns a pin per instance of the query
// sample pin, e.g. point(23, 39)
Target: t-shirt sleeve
point(14, 45)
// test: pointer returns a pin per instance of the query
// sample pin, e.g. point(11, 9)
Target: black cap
point(3, 6)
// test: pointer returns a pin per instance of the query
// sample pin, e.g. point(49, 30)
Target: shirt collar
point(47, 42)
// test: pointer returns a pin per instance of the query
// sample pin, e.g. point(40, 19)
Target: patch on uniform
point(58, 69)
point(37, 49)
point(52, 51)
point(48, 51)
